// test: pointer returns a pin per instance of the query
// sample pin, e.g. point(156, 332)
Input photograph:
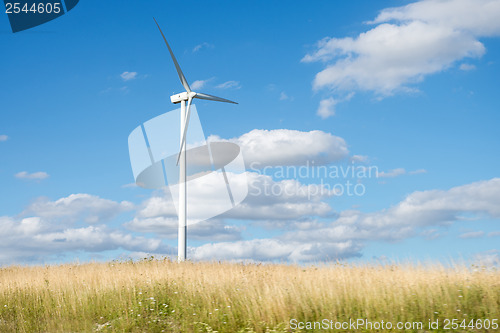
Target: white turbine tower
point(188, 96)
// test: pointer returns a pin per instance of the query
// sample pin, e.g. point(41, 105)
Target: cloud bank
point(407, 44)
point(347, 235)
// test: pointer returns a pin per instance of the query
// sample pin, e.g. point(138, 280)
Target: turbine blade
point(184, 131)
point(212, 98)
point(177, 67)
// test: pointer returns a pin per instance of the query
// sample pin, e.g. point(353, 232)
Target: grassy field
point(163, 296)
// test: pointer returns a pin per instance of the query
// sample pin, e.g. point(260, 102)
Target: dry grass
point(157, 296)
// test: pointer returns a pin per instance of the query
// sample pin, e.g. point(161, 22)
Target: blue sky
point(407, 87)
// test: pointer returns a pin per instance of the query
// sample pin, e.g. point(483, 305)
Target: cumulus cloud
point(274, 250)
point(427, 208)
point(478, 17)
point(408, 43)
point(327, 107)
point(127, 76)
point(347, 235)
point(35, 240)
point(32, 176)
point(3, 137)
point(94, 239)
point(89, 208)
point(267, 200)
point(46, 230)
point(283, 147)
point(286, 199)
point(215, 230)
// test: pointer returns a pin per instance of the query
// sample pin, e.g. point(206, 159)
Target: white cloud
point(127, 76)
point(229, 85)
point(494, 234)
point(95, 238)
point(198, 84)
point(392, 173)
point(283, 147)
point(420, 209)
point(399, 172)
point(280, 204)
point(421, 212)
point(32, 176)
point(89, 208)
point(346, 236)
point(3, 137)
point(203, 45)
point(267, 200)
point(283, 96)
point(274, 250)
point(277, 200)
point(46, 231)
point(359, 158)
point(214, 230)
point(467, 67)
point(327, 108)
point(428, 208)
point(409, 43)
point(478, 17)
point(417, 172)
point(472, 234)
point(286, 224)
point(32, 240)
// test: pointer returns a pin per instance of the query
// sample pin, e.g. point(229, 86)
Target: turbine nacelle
point(177, 98)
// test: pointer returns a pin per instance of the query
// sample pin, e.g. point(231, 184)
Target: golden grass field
point(164, 296)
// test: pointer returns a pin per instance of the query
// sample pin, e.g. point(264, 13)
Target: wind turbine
point(181, 98)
